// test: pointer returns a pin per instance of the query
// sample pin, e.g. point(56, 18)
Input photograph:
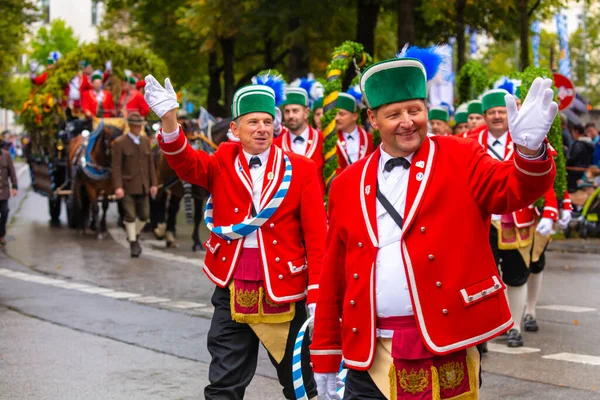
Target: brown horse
point(172, 190)
point(89, 163)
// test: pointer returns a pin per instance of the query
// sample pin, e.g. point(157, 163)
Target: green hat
point(393, 81)
point(253, 98)
point(97, 75)
point(346, 102)
point(474, 107)
point(130, 79)
point(518, 92)
point(493, 98)
point(462, 115)
point(295, 95)
point(85, 64)
point(439, 113)
point(317, 104)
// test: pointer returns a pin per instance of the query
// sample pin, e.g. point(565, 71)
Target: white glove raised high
point(565, 219)
point(544, 227)
point(327, 385)
point(161, 100)
point(529, 125)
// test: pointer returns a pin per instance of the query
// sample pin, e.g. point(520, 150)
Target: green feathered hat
point(253, 98)
point(346, 102)
point(493, 98)
point(474, 107)
point(295, 95)
point(317, 104)
point(439, 113)
point(97, 75)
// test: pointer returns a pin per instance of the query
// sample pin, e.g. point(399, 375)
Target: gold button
point(355, 276)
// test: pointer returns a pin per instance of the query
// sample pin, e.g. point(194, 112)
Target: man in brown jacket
point(7, 170)
point(134, 178)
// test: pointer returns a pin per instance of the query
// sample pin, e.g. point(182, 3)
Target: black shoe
point(136, 249)
point(531, 324)
point(515, 339)
point(484, 348)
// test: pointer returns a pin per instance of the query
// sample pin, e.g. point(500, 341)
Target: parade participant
point(438, 118)
point(82, 82)
point(300, 137)
point(317, 113)
point(97, 102)
point(513, 235)
point(38, 80)
point(134, 178)
point(461, 117)
point(132, 99)
point(7, 173)
point(267, 241)
point(412, 305)
point(475, 111)
point(354, 143)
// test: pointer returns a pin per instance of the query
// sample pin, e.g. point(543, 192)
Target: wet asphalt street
point(79, 319)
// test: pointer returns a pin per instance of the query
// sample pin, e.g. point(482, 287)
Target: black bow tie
point(299, 139)
point(496, 142)
point(396, 162)
point(254, 161)
point(350, 137)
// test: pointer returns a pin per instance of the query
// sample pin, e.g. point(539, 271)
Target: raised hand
point(161, 100)
point(529, 125)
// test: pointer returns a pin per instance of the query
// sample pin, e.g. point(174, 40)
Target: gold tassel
point(435, 384)
point(393, 383)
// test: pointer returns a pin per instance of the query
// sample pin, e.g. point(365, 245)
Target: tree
point(59, 37)
point(17, 15)
point(367, 12)
point(14, 92)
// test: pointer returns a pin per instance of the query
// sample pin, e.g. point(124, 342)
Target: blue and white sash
point(250, 225)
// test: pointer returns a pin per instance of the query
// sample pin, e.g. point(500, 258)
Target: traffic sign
point(566, 91)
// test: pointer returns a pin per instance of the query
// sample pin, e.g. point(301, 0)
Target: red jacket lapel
point(419, 174)
point(368, 195)
point(273, 175)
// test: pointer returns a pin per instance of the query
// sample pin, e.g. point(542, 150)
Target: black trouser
point(510, 262)
point(360, 386)
point(3, 217)
point(233, 347)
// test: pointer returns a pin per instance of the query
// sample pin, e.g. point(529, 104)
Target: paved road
point(80, 319)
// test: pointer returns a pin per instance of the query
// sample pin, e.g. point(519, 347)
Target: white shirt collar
point(264, 156)
point(304, 134)
point(354, 133)
point(502, 139)
point(385, 157)
point(136, 139)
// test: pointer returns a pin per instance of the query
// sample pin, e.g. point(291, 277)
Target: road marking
point(119, 295)
point(184, 304)
point(574, 309)
point(499, 348)
point(150, 300)
point(576, 358)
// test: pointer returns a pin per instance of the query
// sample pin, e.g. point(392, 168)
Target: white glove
point(312, 307)
point(161, 100)
point(544, 227)
point(33, 66)
point(327, 385)
point(563, 222)
point(108, 65)
point(530, 124)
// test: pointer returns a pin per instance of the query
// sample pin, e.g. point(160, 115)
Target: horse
point(89, 163)
point(172, 190)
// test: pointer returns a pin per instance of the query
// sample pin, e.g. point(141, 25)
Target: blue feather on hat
point(431, 58)
point(275, 82)
point(507, 85)
point(355, 92)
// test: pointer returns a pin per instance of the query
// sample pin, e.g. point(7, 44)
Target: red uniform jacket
point(40, 79)
point(314, 149)
point(136, 102)
point(456, 292)
point(291, 242)
point(526, 216)
point(365, 148)
point(88, 102)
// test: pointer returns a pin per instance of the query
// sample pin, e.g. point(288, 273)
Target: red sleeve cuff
point(313, 294)
point(550, 212)
point(326, 363)
point(174, 147)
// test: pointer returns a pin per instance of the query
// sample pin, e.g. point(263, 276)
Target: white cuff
point(172, 136)
point(540, 156)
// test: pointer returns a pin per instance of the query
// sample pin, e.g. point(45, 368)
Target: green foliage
point(554, 136)
point(342, 58)
point(59, 37)
point(14, 91)
point(16, 15)
point(471, 81)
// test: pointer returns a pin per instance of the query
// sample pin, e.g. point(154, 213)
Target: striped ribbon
point(250, 225)
point(299, 388)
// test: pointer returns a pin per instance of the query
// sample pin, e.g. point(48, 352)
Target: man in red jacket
point(354, 143)
point(300, 137)
point(267, 241)
point(412, 304)
point(97, 102)
point(132, 99)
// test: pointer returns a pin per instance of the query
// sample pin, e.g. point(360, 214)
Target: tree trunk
point(298, 60)
point(269, 53)
point(524, 30)
point(366, 13)
point(214, 86)
point(460, 33)
point(228, 47)
point(406, 23)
